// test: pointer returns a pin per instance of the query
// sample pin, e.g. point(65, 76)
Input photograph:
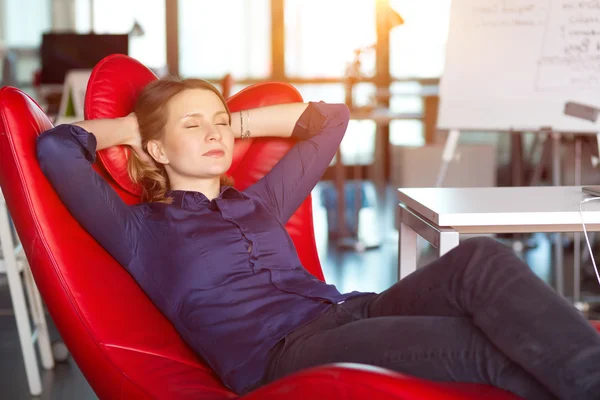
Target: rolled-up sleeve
point(66, 154)
point(320, 130)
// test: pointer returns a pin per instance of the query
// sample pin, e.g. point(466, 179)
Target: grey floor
point(372, 270)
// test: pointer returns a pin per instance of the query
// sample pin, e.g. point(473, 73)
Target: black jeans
point(478, 314)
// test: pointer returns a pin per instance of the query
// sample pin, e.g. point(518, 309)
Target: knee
point(484, 244)
point(480, 254)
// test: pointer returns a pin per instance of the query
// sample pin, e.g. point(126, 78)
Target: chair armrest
point(347, 381)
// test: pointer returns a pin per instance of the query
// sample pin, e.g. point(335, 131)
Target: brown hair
point(151, 112)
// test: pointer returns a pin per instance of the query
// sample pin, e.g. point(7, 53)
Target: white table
point(440, 215)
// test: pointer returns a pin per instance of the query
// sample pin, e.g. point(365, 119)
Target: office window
point(118, 16)
point(20, 26)
point(21, 30)
point(405, 97)
point(329, 92)
point(226, 36)
point(321, 36)
point(407, 133)
point(417, 48)
point(358, 145)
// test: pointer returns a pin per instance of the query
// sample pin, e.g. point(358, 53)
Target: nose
point(213, 133)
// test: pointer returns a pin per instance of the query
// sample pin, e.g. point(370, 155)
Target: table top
point(532, 208)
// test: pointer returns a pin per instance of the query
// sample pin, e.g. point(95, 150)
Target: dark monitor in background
point(61, 52)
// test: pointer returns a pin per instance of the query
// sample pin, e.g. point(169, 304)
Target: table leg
point(412, 225)
point(407, 250)
point(448, 241)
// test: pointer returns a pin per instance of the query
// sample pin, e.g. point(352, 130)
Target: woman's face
point(198, 140)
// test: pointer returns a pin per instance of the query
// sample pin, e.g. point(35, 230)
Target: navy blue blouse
point(225, 272)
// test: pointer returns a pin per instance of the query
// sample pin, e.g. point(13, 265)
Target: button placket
point(251, 245)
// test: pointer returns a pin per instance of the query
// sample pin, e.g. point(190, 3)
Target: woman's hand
point(111, 132)
point(135, 139)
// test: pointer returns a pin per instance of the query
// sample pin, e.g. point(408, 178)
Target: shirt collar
point(229, 192)
point(226, 192)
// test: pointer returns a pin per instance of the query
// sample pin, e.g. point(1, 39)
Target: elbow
point(49, 146)
point(343, 112)
point(56, 149)
point(342, 115)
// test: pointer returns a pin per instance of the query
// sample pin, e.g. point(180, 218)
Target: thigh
point(438, 348)
point(477, 272)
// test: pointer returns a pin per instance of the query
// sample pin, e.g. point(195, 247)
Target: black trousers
point(478, 314)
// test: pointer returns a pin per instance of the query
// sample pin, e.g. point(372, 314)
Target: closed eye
point(191, 126)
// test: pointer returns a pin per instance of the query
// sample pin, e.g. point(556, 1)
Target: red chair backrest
point(124, 346)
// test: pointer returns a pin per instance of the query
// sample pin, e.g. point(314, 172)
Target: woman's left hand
point(135, 139)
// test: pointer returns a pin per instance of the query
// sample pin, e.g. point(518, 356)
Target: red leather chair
point(124, 346)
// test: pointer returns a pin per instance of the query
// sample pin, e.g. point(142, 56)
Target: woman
point(219, 264)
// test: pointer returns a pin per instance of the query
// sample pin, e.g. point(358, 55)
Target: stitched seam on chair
point(114, 346)
point(160, 356)
point(52, 259)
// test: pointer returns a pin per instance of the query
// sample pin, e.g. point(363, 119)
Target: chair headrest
point(113, 87)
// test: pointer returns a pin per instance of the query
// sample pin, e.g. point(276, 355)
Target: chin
point(215, 172)
point(217, 168)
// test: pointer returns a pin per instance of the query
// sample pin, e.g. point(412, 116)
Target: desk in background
point(439, 215)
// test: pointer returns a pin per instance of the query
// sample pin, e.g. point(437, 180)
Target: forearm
point(320, 130)
point(277, 120)
point(111, 132)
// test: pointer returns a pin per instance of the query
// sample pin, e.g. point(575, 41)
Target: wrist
point(130, 129)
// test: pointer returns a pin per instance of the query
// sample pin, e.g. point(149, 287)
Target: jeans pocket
point(345, 315)
point(357, 307)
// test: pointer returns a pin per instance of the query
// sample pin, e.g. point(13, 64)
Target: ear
point(157, 152)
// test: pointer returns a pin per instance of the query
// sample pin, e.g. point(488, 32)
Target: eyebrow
point(195, 114)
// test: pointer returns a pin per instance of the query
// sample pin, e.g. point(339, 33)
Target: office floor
point(373, 270)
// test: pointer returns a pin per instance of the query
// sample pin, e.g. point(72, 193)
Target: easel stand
point(448, 155)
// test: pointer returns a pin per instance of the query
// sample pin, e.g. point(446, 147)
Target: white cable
point(586, 236)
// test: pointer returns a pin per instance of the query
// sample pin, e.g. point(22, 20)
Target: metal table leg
point(411, 225)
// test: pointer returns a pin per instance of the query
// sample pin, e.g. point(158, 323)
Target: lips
point(214, 153)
